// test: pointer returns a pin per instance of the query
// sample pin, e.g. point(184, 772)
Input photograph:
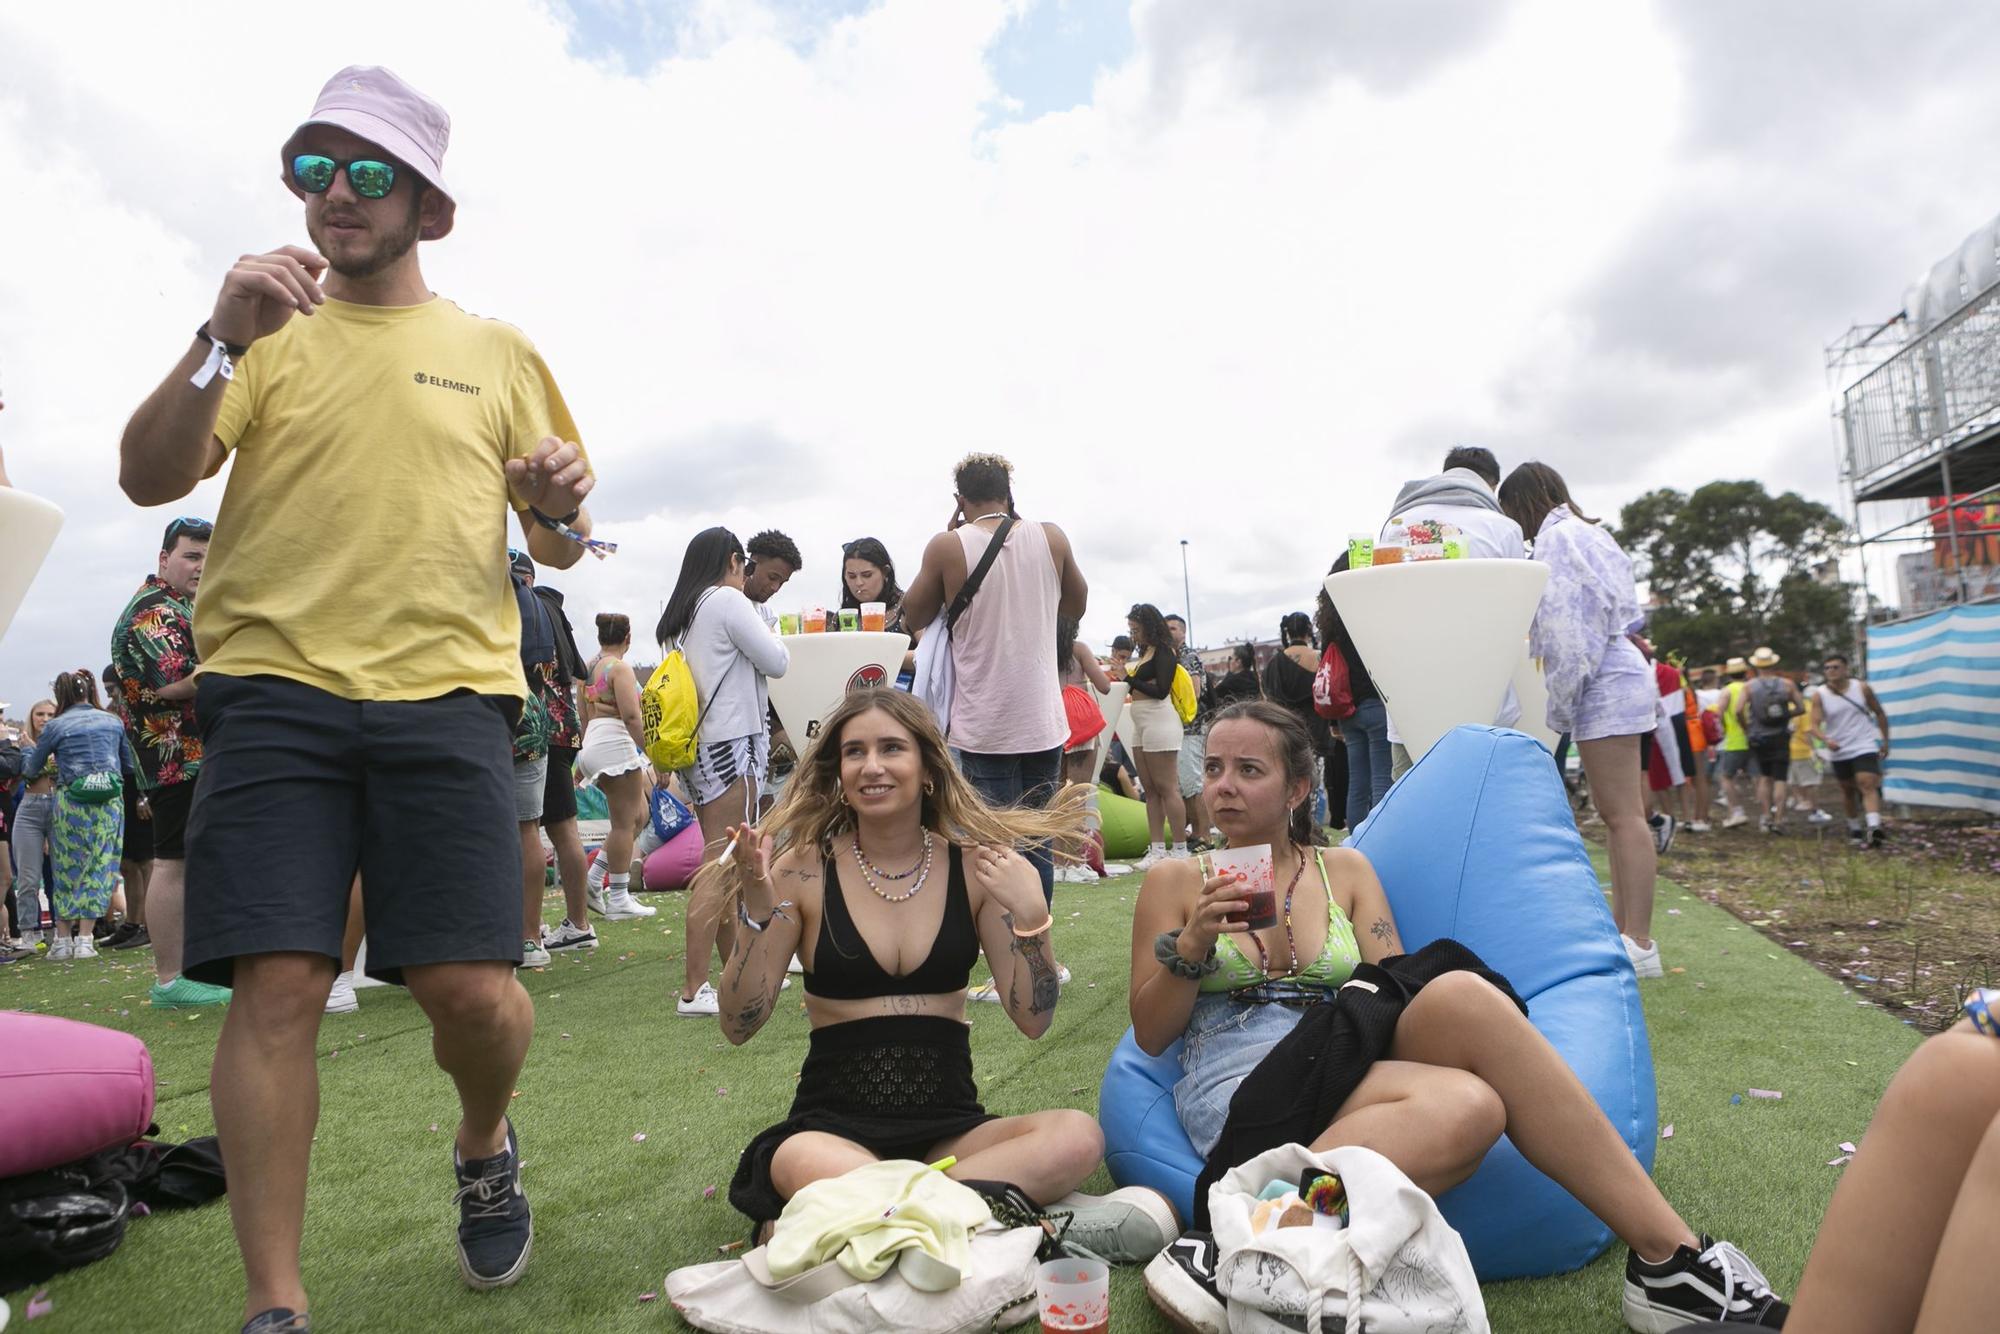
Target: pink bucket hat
point(376, 104)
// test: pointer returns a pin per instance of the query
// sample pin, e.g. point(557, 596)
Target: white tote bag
point(933, 678)
point(1397, 1268)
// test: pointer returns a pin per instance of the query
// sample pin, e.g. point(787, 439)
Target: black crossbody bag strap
point(978, 575)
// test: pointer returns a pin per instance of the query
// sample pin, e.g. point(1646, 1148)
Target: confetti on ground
point(649, 1296)
point(39, 1305)
point(1772, 1094)
point(639, 1138)
point(1667, 1131)
point(1840, 1161)
point(515, 1094)
point(1735, 1098)
point(565, 1035)
point(708, 1192)
point(1677, 970)
point(1673, 912)
point(722, 1093)
point(1847, 1147)
point(1855, 1064)
point(1863, 977)
point(434, 1127)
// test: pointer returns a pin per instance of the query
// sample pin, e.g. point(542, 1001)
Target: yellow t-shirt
point(362, 543)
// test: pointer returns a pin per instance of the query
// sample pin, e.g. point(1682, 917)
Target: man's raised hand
point(260, 292)
point(554, 479)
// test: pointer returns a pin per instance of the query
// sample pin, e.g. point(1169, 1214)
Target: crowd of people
point(392, 717)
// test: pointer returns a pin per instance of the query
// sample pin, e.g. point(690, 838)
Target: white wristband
point(218, 362)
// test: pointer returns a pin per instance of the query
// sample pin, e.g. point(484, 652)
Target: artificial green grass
point(611, 1062)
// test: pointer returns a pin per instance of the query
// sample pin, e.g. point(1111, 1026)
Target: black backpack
point(69, 1216)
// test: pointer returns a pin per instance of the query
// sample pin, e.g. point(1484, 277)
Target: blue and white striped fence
point(1938, 677)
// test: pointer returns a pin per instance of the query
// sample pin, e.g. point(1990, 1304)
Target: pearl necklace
point(869, 871)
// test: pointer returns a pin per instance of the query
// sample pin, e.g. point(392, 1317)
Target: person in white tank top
point(1850, 721)
point(1008, 724)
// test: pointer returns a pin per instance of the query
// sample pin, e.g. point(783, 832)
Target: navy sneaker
point(1715, 1282)
point(495, 1230)
point(278, 1320)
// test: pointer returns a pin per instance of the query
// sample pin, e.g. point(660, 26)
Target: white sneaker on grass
point(568, 936)
point(1735, 818)
point(616, 904)
point(985, 992)
point(1645, 962)
point(703, 1002)
point(84, 948)
point(533, 955)
point(341, 999)
point(58, 950)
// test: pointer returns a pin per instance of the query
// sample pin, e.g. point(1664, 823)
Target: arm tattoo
point(1043, 988)
point(1383, 932)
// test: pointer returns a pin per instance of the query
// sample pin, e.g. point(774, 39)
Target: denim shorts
point(301, 788)
point(1226, 1039)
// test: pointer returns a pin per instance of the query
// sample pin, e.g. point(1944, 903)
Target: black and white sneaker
point(1664, 826)
point(1181, 1282)
point(495, 1230)
point(568, 936)
point(1717, 1282)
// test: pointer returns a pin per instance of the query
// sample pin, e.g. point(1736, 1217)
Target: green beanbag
point(1124, 825)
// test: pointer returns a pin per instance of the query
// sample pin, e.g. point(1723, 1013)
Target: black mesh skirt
point(896, 1086)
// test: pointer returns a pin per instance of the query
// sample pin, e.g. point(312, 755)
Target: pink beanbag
point(674, 864)
point(67, 1090)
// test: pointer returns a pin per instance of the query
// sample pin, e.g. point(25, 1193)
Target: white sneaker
point(1062, 975)
point(1735, 818)
point(1698, 826)
point(568, 936)
point(1117, 868)
point(341, 999)
point(58, 950)
point(1153, 857)
point(703, 1002)
point(1819, 817)
point(617, 905)
point(533, 955)
point(1646, 962)
point(85, 948)
point(985, 991)
point(1075, 875)
point(1663, 833)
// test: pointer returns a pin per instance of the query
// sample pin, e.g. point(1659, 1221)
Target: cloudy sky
point(1221, 272)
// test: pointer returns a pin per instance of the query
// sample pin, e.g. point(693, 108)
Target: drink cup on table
point(1389, 547)
point(1259, 886)
point(850, 619)
point(788, 623)
point(815, 621)
point(874, 616)
point(1360, 550)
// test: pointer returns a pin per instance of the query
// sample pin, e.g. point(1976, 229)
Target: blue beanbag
point(1477, 843)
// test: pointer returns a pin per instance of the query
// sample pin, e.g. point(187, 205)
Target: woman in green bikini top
point(1464, 1063)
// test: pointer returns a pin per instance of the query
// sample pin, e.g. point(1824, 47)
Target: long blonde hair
point(811, 811)
point(33, 729)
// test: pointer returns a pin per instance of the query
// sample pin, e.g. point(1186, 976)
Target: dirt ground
point(1911, 927)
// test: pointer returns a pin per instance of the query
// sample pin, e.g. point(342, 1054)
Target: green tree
point(1732, 566)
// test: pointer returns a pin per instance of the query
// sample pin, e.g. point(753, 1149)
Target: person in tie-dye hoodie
point(1600, 690)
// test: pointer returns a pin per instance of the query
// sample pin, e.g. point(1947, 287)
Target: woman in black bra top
point(885, 872)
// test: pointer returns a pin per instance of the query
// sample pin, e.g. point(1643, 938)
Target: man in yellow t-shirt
point(1735, 766)
point(360, 674)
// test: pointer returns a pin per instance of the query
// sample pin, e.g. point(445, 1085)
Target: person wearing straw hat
point(1765, 710)
point(360, 672)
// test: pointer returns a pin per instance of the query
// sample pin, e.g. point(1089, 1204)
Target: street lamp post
point(1187, 597)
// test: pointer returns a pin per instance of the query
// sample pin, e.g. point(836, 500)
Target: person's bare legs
point(1197, 816)
point(357, 925)
point(1964, 1291)
point(1883, 1238)
point(264, 1089)
point(481, 1022)
point(137, 877)
point(1159, 771)
point(1462, 1022)
point(1618, 789)
point(1434, 1123)
point(705, 928)
point(625, 794)
point(572, 868)
point(534, 880)
point(164, 895)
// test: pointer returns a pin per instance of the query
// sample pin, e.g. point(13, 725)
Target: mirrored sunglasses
point(314, 172)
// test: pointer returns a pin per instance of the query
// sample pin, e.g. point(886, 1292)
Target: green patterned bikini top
point(1335, 964)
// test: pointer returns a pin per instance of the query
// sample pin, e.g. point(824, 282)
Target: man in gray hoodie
point(1462, 495)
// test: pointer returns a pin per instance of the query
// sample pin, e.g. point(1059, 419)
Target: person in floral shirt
point(153, 657)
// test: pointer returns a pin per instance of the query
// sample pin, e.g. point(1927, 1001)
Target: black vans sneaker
point(1181, 1282)
point(495, 1231)
point(1717, 1283)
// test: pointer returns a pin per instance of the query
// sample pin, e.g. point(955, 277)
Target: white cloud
point(787, 282)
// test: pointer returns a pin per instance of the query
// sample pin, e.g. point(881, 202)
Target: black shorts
point(1773, 756)
point(559, 796)
point(138, 833)
point(300, 788)
point(1845, 770)
point(170, 807)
